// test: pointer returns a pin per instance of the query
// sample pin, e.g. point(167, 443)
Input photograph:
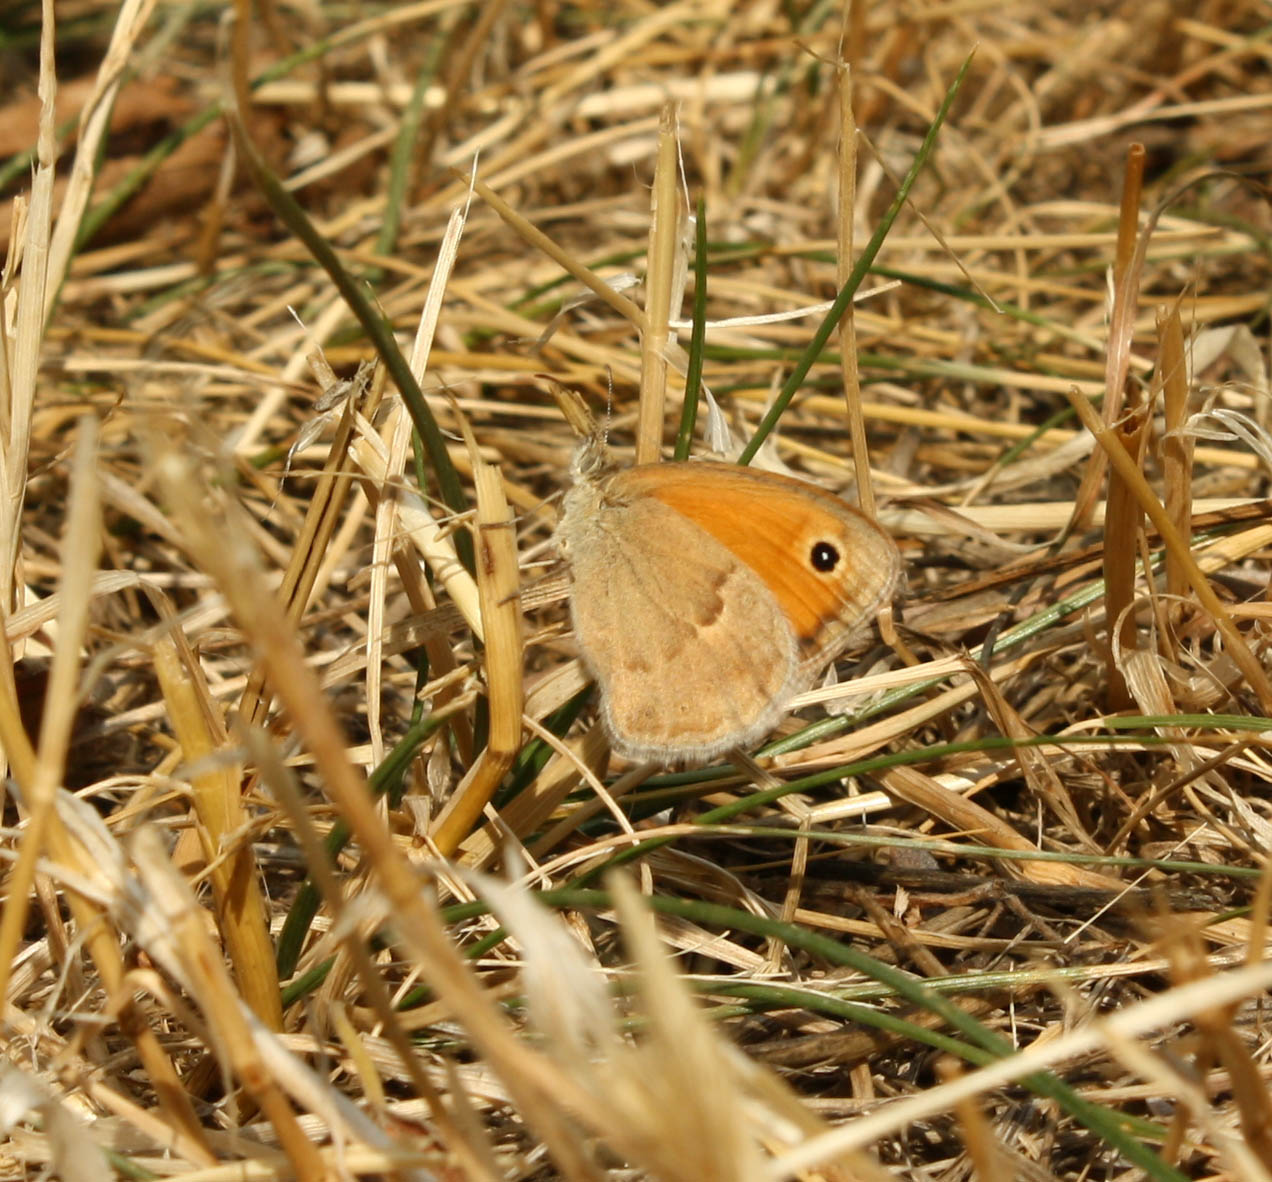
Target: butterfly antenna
point(609, 404)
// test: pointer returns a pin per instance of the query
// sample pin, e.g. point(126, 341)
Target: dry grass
point(991, 906)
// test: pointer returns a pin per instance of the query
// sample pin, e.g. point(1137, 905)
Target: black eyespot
point(824, 557)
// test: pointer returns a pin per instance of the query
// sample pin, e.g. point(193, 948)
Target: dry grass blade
point(206, 977)
point(1123, 526)
point(322, 516)
point(541, 241)
point(1121, 459)
point(665, 220)
point(49, 766)
point(223, 824)
point(25, 309)
point(498, 583)
point(131, 21)
point(1177, 447)
point(845, 226)
point(1190, 999)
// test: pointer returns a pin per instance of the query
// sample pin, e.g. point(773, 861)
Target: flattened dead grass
point(316, 860)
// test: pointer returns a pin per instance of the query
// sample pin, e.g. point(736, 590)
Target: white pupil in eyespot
point(824, 557)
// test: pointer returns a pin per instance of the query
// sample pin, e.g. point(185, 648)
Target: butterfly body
point(706, 596)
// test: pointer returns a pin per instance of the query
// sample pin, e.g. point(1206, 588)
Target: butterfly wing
point(827, 565)
point(689, 646)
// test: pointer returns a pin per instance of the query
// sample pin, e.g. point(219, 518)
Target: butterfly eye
point(824, 557)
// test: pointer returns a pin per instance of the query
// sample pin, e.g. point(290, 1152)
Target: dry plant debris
point(315, 861)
